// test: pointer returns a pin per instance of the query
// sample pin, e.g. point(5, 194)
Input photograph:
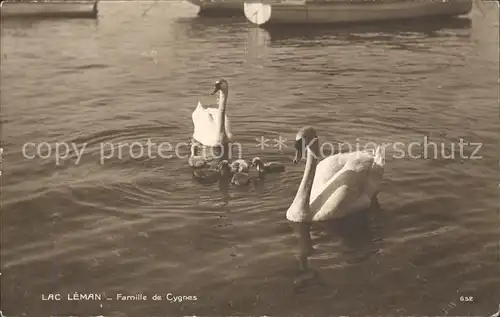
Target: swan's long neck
point(222, 111)
point(304, 192)
point(299, 209)
point(221, 132)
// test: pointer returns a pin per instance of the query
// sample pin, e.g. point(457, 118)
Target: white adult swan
point(338, 185)
point(209, 127)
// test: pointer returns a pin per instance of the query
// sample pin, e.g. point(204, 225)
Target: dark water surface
point(143, 226)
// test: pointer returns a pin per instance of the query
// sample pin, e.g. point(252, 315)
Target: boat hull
point(219, 7)
point(300, 12)
point(66, 9)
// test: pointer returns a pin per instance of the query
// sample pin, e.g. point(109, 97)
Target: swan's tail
point(379, 155)
point(377, 171)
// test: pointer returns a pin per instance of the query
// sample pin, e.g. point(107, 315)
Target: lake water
point(141, 225)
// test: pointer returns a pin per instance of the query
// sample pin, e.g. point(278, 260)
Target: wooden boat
point(60, 8)
point(314, 35)
point(266, 12)
point(219, 7)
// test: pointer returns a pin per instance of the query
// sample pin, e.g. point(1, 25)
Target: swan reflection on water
point(307, 276)
point(224, 181)
point(357, 233)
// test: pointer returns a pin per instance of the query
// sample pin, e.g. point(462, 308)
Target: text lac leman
point(74, 296)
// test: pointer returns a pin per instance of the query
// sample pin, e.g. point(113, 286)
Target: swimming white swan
point(338, 185)
point(209, 127)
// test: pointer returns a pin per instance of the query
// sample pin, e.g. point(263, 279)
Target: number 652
point(466, 298)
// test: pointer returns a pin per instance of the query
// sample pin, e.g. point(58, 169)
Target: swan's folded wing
point(346, 182)
point(199, 115)
point(342, 192)
point(203, 125)
point(199, 107)
point(325, 170)
point(334, 205)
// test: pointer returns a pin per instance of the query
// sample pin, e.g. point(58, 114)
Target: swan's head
point(224, 167)
point(306, 139)
point(257, 162)
point(221, 85)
